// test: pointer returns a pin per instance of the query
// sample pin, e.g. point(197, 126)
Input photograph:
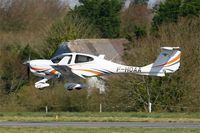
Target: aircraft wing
point(71, 77)
point(67, 71)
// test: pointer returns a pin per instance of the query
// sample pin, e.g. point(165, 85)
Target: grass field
point(92, 130)
point(96, 116)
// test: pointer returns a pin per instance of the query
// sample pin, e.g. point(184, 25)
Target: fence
point(95, 108)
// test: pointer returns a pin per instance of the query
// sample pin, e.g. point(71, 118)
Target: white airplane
point(86, 66)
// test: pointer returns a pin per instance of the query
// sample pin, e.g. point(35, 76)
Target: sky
point(151, 3)
point(127, 3)
point(71, 3)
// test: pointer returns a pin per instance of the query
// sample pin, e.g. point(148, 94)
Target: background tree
point(175, 92)
point(71, 27)
point(23, 27)
point(21, 15)
point(171, 10)
point(135, 21)
point(104, 14)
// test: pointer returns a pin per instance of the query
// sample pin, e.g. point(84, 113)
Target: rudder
point(169, 59)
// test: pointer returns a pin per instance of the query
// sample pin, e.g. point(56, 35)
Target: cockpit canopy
point(73, 58)
point(83, 58)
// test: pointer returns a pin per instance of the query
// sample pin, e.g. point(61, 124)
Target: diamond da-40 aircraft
point(86, 66)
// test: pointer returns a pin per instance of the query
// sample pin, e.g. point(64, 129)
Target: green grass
point(95, 116)
point(92, 130)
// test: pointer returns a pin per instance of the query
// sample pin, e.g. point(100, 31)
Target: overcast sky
point(151, 3)
point(71, 3)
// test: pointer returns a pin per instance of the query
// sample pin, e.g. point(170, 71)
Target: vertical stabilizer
point(168, 60)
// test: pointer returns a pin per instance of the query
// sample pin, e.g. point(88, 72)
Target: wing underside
point(73, 79)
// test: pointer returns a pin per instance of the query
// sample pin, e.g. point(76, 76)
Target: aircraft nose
point(32, 63)
point(29, 63)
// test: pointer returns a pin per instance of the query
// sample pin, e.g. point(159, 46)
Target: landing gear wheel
point(41, 88)
point(78, 88)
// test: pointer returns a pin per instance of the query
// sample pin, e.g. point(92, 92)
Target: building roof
point(112, 48)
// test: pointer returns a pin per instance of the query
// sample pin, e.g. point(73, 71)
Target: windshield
point(59, 58)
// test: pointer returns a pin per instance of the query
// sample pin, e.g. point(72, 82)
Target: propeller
point(27, 63)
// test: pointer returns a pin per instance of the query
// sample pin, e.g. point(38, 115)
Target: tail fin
point(169, 59)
